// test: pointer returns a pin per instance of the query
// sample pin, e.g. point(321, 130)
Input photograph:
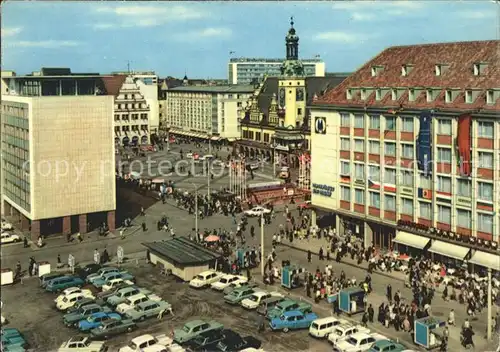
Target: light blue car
point(292, 320)
point(96, 319)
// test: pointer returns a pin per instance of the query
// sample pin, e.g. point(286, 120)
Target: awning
point(487, 260)
point(411, 240)
point(449, 250)
point(215, 138)
point(231, 139)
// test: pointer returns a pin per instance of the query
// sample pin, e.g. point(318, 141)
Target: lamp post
point(168, 138)
point(209, 164)
point(195, 210)
point(262, 257)
point(488, 324)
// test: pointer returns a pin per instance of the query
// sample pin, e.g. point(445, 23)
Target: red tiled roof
point(459, 57)
point(112, 84)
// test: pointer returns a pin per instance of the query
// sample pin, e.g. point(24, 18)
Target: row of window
point(463, 216)
point(17, 142)
point(131, 106)
point(485, 129)
point(19, 196)
point(15, 121)
point(14, 111)
point(131, 128)
point(126, 117)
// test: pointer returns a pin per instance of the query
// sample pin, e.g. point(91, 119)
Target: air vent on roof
point(406, 69)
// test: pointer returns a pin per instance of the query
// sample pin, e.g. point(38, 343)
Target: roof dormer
point(377, 70)
point(378, 94)
point(431, 94)
point(450, 95)
point(349, 94)
point(479, 67)
point(440, 69)
point(406, 69)
point(491, 96)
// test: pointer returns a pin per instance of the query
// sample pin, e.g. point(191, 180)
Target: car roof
point(287, 302)
point(139, 295)
point(260, 293)
point(99, 314)
point(207, 272)
point(360, 335)
point(292, 313)
point(228, 276)
point(383, 343)
point(91, 305)
point(193, 323)
point(326, 320)
point(345, 326)
point(146, 303)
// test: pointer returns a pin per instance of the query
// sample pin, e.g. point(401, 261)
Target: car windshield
point(200, 277)
point(186, 328)
point(376, 348)
point(314, 325)
point(129, 302)
point(223, 280)
point(254, 298)
point(132, 345)
point(90, 319)
point(352, 341)
point(65, 299)
point(339, 332)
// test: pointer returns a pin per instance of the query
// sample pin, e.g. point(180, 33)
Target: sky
point(174, 38)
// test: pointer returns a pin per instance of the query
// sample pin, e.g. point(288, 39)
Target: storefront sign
point(359, 182)
point(281, 147)
point(464, 201)
point(323, 190)
point(406, 190)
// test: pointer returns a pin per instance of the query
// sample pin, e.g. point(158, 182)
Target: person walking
point(309, 256)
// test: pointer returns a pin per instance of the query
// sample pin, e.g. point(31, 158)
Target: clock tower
point(292, 92)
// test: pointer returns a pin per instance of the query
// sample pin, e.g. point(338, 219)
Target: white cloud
point(477, 15)
point(103, 25)
point(211, 32)
point(360, 16)
point(44, 43)
point(376, 4)
point(337, 37)
point(9, 32)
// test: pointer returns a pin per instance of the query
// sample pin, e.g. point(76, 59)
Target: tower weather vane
point(291, 21)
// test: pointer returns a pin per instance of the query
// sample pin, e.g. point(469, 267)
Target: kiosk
point(7, 276)
point(351, 300)
point(425, 335)
point(290, 276)
point(242, 253)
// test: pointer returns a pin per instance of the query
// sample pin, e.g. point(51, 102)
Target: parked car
point(113, 283)
point(387, 346)
point(73, 290)
point(148, 309)
point(204, 279)
point(287, 306)
point(102, 271)
point(44, 279)
point(345, 330)
point(257, 211)
point(123, 293)
point(292, 320)
point(6, 226)
point(7, 237)
point(60, 283)
point(83, 303)
point(268, 304)
point(234, 342)
point(239, 294)
point(87, 270)
point(193, 328)
point(72, 319)
point(205, 341)
point(256, 298)
point(133, 301)
point(238, 284)
point(104, 295)
point(323, 327)
point(70, 300)
point(82, 344)
point(147, 343)
point(357, 342)
point(95, 320)
point(112, 327)
point(105, 278)
point(12, 340)
point(226, 280)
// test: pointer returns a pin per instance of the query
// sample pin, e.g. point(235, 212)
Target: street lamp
point(195, 210)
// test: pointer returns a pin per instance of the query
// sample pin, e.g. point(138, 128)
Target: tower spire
point(291, 22)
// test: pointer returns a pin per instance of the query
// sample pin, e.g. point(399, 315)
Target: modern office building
point(247, 70)
point(206, 111)
point(58, 160)
point(410, 146)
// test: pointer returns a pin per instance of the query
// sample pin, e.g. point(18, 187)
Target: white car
point(357, 342)
point(345, 330)
point(73, 290)
point(227, 280)
point(70, 300)
point(9, 238)
point(134, 300)
point(175, 348)
point(147, 343)
point(82, 344)
point(7, 225)
point(323, 327)
point(254, 300)
point(257, 211)
point(205, 278)
point(114, 283)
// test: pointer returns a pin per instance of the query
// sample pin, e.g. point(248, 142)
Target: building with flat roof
point(58, 160)
point(407, 151)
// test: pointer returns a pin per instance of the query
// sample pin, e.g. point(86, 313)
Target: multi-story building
point(247, 70)
point(406, 151)
point(132, 112)
point(58, 162)
point(206, 111)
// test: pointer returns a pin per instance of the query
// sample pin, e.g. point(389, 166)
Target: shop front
point(448, 253)
point(483, 261)
point(410, 244)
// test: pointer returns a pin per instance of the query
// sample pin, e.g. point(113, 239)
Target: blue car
point(96, 319)
point(292, 320)
point(63, 282)
point(13, 340)
point(100, 282)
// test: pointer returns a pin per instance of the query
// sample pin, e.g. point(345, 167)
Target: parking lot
point(42, 324)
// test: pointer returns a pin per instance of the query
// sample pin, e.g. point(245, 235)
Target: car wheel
point(130, 328)
point(285, 330)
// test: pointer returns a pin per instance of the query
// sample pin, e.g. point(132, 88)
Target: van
point(268, 304)
point(321, 328)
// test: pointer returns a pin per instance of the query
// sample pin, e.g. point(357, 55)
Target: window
point(485, 191)
point(486, 160)
point(407, 124)
point(444, 127)
point(407, 178)
point(390, 123)
point(394, 94)
point(345, 144)
point(425, 210)
point(444, 214)
point(464, 188)
point(468, 96)
point(425, 181)
point(390, 202)
point(464, 218)
point(374, 173)
point(448, 97)
point(375, 200)
point(345, 120)
point(490, 97)
point(444, 184)
point(345, 168)
point(374, 122)
point(378, 94)
point(390, 176)
point(359, 196)
point(363, 94)
point(485, 129)
point(485, 223)
point(407, 206)
point(390, 149)
point(349, 94)
point(411, 94)
point(359, 171)
point(444, 155)
point(437, 70)
point(359, 145)
point(345, 193)
point(430, 95)
point(407, 151)
point(374, 147)
point(359, 121)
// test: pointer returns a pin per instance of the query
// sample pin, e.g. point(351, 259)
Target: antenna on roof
point(128, 66)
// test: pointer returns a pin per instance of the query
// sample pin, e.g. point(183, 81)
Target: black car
point(87, 270)
point(234, 342)
point(205, 341)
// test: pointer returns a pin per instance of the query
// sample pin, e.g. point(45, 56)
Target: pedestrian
point(59, 262)
point(371, 313)
point(309, 256)
point(389, 292)
point(122, 235)
point(144, 228)
point(364, 319)
point(142, 211)
point(451, 318)
point(320, 254)
point(25, 242)
point(105, 256)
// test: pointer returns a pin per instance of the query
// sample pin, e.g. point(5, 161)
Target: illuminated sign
point(323, 190)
